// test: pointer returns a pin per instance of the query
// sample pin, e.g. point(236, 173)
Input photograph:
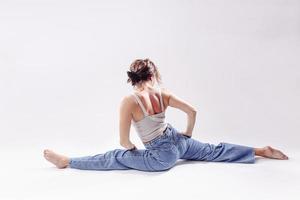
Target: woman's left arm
point(125, 123)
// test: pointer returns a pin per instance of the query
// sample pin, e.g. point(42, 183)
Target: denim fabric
point(162, 152)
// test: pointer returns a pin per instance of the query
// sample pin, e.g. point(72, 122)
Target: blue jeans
point(162, 152)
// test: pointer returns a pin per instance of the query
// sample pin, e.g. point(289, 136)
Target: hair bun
point(144, 73)
point(134, 77)
point(142, 70)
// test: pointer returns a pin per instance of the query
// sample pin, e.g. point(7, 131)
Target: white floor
point(26, 175)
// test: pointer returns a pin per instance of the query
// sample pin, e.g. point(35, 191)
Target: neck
point(144, 86)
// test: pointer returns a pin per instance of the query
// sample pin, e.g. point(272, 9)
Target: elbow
point(192, 112)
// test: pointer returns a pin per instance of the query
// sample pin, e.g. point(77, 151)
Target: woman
point(145, 109)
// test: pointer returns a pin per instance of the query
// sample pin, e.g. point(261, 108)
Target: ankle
point(66, 162)
point(259, 151)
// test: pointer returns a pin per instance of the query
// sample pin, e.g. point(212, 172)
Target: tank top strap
point(141, 104)
point(161, 99)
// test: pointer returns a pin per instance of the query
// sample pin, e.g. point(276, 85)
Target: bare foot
point(58, 160)
point(270, 152)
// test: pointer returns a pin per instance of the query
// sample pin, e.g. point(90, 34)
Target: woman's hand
point(185, 134)
point(132, 147)
point(129, 146)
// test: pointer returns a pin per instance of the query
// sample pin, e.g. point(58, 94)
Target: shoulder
point(128, 100)
point(165, 92)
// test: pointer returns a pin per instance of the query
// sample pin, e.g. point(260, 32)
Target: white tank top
point(150, 126)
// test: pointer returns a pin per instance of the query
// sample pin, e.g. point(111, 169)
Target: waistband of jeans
point(163, 133)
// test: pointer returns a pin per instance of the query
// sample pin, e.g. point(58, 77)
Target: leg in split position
point(149, 160)
point(117, 159)
point(226, 152)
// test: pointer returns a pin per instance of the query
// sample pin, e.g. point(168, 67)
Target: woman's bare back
point(150, 98)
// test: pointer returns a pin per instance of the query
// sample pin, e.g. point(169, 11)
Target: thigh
point(196, 150)
point(141, 159)
point(223, 152)
point(144, 159)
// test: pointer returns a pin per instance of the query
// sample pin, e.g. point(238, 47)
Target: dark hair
point(142, 70)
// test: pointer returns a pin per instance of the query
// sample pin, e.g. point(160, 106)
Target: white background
point(63, 73)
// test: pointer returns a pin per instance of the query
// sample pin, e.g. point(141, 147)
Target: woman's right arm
point(182, 105)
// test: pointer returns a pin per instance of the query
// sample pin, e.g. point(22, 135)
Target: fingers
point(133, 148)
